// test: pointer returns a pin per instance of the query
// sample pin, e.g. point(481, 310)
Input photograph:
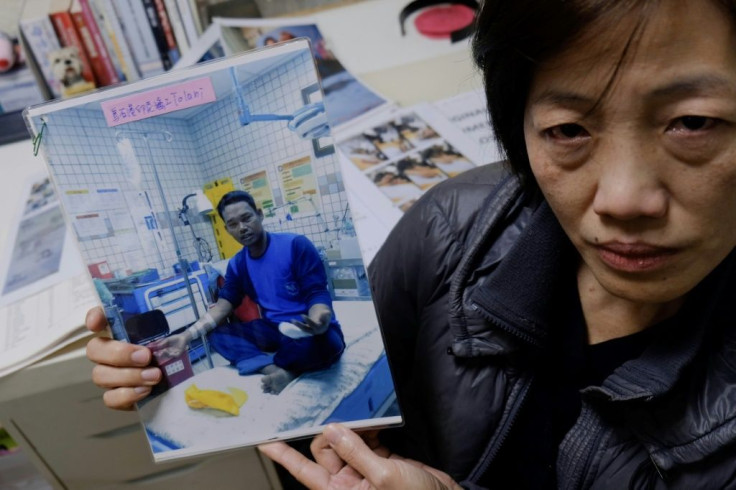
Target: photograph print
point(346, 97)
point(216, 235)
point(404, 157)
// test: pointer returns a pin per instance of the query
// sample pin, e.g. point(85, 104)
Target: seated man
point(283, 273)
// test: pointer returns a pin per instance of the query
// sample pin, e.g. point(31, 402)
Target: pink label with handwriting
point(158, 101)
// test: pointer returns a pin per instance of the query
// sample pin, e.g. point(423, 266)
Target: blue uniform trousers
point(253, 345)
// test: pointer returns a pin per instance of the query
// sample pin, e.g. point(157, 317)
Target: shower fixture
point(308, 122)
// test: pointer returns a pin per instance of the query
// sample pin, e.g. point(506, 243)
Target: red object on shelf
point(440, 22)
point(68, 36)
point(100, 270)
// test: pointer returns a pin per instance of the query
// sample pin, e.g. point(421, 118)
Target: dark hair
point(513, 37)
point(235, 196)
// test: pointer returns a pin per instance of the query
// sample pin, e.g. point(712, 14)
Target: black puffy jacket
point(462, 287)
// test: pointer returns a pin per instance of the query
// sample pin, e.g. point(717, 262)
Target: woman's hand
point(121, 367)
point(344, 460)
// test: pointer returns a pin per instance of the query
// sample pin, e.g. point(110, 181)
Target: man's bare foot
point(275, 379)
point(271, 368)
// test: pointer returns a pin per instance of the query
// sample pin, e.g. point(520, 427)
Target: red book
point(68, 36)
point(86, 25)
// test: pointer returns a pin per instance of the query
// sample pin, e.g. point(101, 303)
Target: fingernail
point(333, 434)
point(142, 389)
point(150, 374)
point(139, 356)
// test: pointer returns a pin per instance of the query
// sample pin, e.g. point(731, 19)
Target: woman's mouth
point(634, 257)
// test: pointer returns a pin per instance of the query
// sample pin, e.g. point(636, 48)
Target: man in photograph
point(284, 275)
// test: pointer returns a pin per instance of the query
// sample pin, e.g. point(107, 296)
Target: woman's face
point(644, 181)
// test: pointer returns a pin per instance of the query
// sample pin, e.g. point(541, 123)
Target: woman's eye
point(567, 131)
point(692, 123)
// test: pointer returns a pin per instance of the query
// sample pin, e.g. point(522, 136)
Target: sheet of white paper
point(382, 46)
point(419, 137)
point(79, 200)
point(90, 226)
point(121, 220)
point(469, 113)
point(39, 324)
point(39, 251)
point(373, 216)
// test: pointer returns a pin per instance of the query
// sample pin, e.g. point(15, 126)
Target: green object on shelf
point(6, 442)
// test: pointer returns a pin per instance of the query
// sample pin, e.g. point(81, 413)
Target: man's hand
point(121, 367)
point(317, 321)
point(345, 461)
point(171, 346)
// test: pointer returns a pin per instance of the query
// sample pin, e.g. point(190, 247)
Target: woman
point(575, 330)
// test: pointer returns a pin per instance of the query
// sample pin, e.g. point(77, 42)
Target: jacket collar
point(515, 297)
point(518, 296)
point(686, 425)
point(698, 355)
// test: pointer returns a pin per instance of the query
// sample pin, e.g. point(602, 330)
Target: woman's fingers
point(116, 377)
point(125, 398)
point(115, 353)
point(305, 471)
point(96, 320)
point(124, 368)
point(390, 474)
point(355, 452)
point(325, 456)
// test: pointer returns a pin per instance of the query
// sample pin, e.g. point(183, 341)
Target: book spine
point(107, 38)
point(134, 23)
point(108, 74)
point(68, 36)
point(158, 32)
point(199, 21)
point(187, 18)
point(177, 25)
point(117, 39)
point(165, 21)
point(41, 40)
point(89, 46)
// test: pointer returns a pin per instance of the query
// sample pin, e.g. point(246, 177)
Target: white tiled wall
point(234, 151)
point(211, 145)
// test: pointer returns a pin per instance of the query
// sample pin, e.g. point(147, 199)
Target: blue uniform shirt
point(285, 281)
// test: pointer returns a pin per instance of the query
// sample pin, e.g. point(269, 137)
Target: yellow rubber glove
point(218, 400)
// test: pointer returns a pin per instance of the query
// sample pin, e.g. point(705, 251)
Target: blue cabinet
point(168, 295)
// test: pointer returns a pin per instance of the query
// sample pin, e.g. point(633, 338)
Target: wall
point(90, 158)
point(268, 143)
point(209, 145)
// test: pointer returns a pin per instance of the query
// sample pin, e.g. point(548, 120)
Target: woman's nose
point(629, 185)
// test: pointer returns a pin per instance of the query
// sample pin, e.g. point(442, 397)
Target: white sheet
point(299, 409)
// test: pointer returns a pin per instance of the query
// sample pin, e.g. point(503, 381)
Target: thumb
point(95, 320)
